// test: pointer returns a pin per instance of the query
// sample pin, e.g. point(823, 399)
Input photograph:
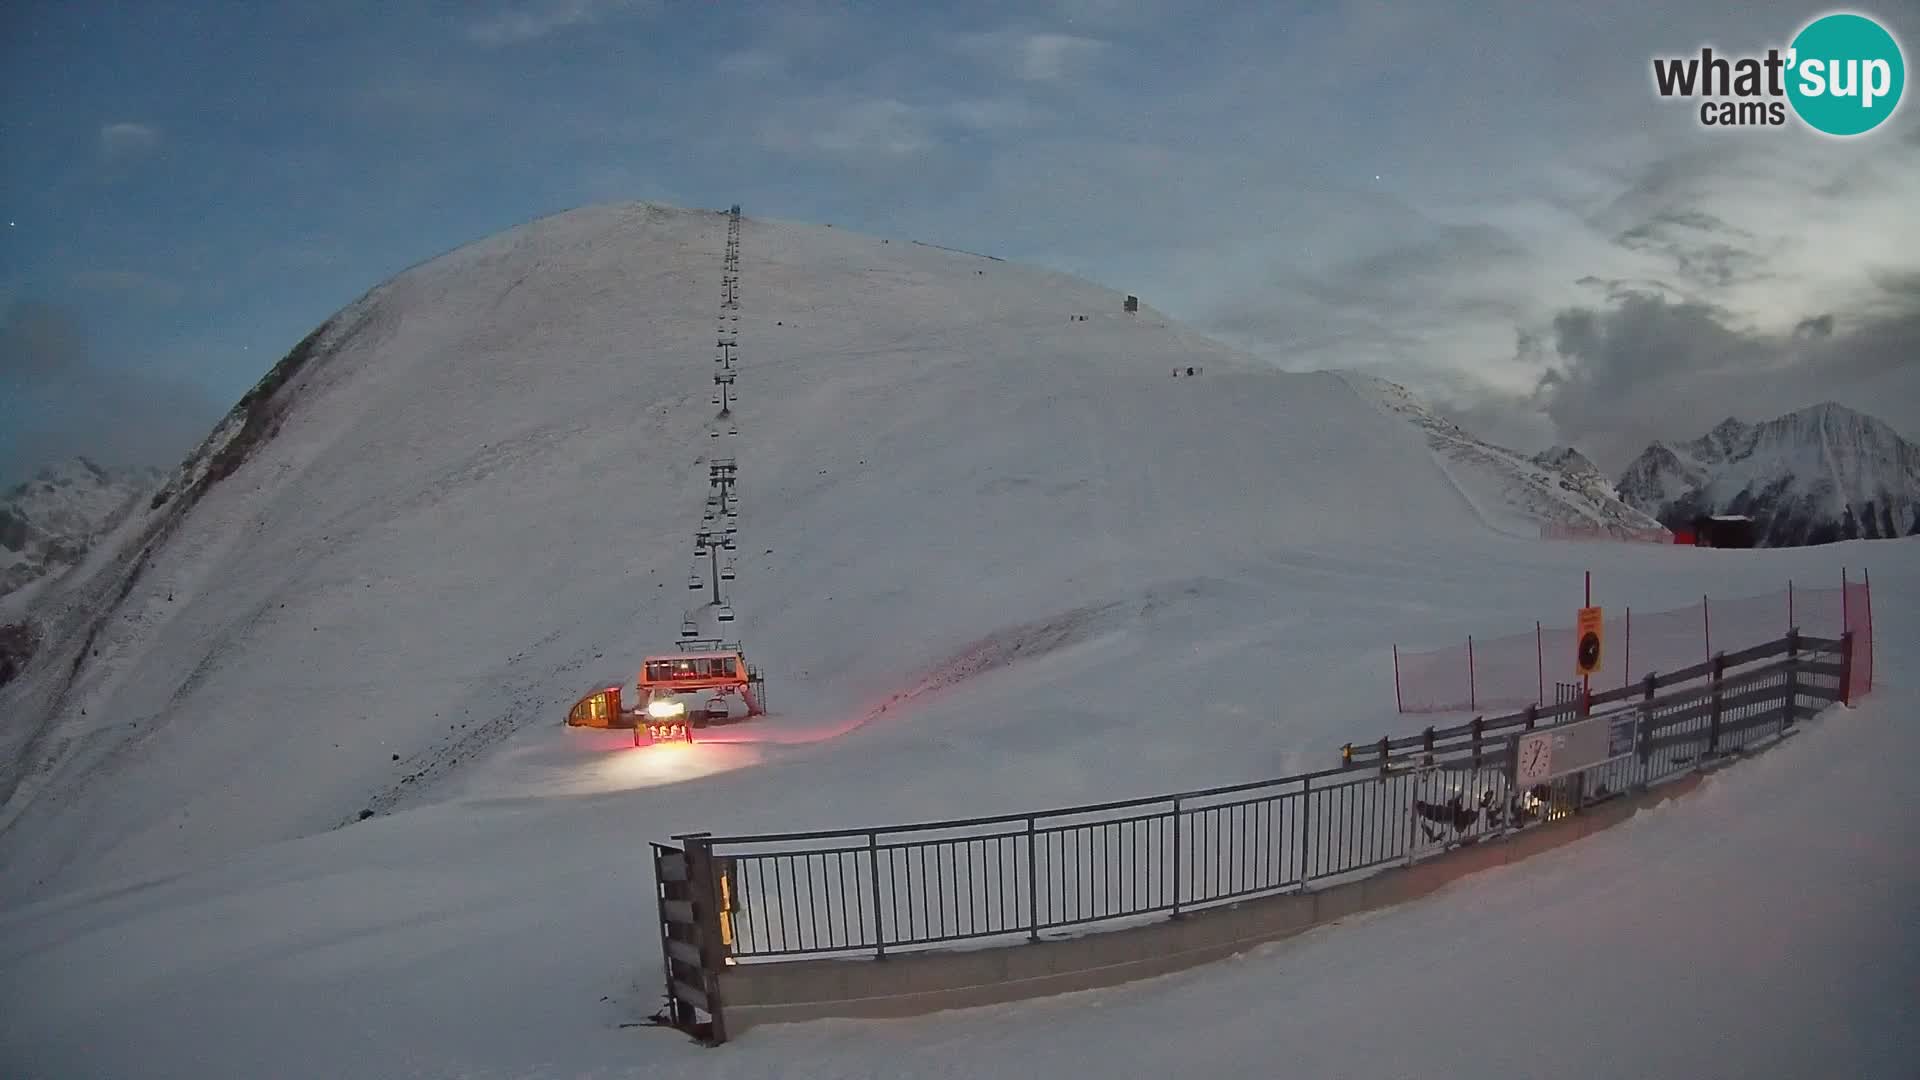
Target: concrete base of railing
point(911, 984)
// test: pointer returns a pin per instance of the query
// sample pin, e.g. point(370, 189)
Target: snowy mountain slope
point(332, 956)
point(1823, 473)
point(1515, 493)
point(1064, 575)
point(48, 522)
point(475, 498)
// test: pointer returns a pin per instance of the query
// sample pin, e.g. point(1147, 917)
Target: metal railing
point(875, 890)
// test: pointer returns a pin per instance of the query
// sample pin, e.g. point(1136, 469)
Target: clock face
point(1536, 758)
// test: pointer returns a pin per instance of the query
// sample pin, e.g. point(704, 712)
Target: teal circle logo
point(1845, 74)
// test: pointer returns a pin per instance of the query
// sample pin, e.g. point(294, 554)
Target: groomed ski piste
point(992, 557)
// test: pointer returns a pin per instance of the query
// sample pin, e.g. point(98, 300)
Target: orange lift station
point(721, 673)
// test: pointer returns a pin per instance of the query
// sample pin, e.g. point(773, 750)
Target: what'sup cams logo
point(1842, 75)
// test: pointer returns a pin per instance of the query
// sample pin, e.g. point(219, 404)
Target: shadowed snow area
point(991, 558)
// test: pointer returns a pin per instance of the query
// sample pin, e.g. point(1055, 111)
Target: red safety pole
point(1539, 665)
point(1473, 695)
point(1706, 621)
point(1398, 705)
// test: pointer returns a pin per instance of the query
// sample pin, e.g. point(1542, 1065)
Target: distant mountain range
point(1821, 474)
point(48, 523)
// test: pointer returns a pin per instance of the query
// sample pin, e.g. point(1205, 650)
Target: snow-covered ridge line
point(50, 521)
point(1559, 489)
point(1816, 475)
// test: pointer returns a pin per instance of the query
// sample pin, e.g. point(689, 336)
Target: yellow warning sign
point(1588, 634)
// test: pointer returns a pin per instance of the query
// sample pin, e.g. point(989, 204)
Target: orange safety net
point(1517, 670)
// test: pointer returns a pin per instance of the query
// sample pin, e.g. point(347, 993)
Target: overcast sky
point(1485, 201)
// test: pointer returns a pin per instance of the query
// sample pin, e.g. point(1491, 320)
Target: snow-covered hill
point(992, 557)
point(1516, 493)
point(471, 496)
point(48, 522)
point(1823, 473)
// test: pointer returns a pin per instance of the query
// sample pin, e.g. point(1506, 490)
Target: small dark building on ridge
point(1723, 531)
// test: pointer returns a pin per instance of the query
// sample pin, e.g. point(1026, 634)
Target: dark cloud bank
point(58, 400)
point(1651, 367)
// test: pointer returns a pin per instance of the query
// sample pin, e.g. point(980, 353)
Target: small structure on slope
point(1723, 531)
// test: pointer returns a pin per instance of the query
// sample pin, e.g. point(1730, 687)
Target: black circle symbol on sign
point(1589, 651)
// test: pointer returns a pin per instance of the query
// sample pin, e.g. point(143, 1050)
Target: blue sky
point(1422, 190)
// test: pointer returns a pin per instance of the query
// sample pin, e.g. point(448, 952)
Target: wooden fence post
point(1644, 740)
point(873, 892)
point(1793, 680)
point(703, 890)
point(1713, 723)
point(1846, 667)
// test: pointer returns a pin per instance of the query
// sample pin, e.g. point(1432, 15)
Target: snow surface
point(1514, 493)
point(1014, 564)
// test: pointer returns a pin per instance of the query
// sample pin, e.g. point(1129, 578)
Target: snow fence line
point(1512, 671)
point(916, 983)
point(900, 920)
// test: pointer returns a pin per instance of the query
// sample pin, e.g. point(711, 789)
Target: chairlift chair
point(725, 614)
point(726, 572)
point(694, 583)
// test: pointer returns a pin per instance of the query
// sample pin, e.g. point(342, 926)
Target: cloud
point(1035, 57)
point(57, 401)
point(1617, 378)
point(886, 129)
point(879, 128)
point(125, 141)
point(414, 94)
point(130, 285)
point(751, 64)
point(529, 20)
